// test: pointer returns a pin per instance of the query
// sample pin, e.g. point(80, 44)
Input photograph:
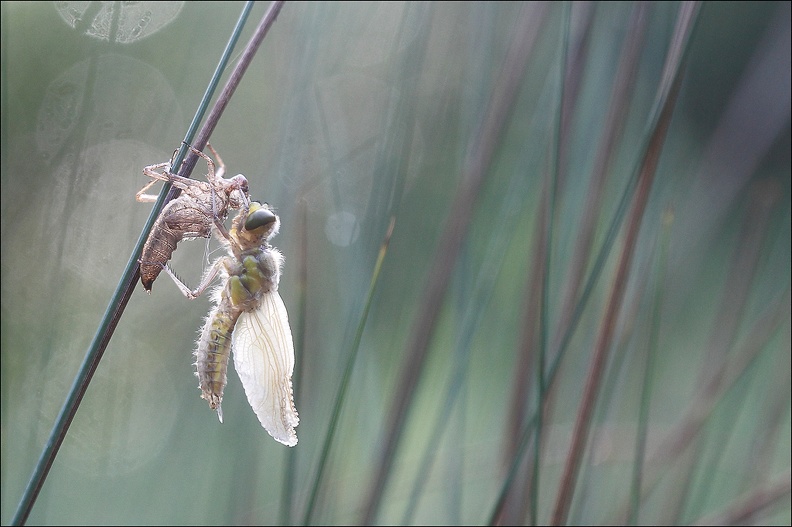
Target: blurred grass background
point(350, 115)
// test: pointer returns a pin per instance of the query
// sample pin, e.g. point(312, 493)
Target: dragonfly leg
point(207, 279)
point(211, 175)
point(166, 176)
point(161, 172)
point(221, 228)
point(220, 172)
point(215, 178)
point(152, 172)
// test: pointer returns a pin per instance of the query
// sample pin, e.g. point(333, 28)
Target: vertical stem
point(482, 151)
point(668, 92)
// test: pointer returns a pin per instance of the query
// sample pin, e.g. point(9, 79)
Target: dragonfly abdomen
point(214, 349)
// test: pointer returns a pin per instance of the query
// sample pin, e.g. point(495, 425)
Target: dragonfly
point(250, 317)
point(201, 205)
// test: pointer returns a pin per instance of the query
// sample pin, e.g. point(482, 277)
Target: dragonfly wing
point(264, 360)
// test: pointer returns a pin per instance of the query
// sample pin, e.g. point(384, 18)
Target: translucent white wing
point(264, 360)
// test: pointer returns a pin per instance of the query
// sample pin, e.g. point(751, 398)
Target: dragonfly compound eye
point(259, 218)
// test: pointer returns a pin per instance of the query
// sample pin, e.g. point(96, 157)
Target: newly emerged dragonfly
point(249, 315)
point(191, 215)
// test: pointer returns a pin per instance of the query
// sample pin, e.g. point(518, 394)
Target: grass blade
point(475, 171)
point(666, 102)
point(720, 380)
point(648, 375)
point(743, 509)
point(344, 383)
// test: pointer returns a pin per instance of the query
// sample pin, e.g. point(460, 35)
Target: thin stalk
point(734, 300)
point(544, 324)
point(607, 405)
point(668, 95)
point(476, 307)
point(525, 362)
point(526, 370)
point(124, 290)
point(619, 103)
point(552, 373)
point(704, 402)
point(648, 376)
point(522, 445)
point(770, 424)
point(475, 170)
point(597, 268)
point(287, 495)
point(761, 499)
point(579, 45)
point(233, 81)
point(568, 331)
point(350, 364)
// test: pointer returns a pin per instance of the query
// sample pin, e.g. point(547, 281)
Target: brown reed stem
point(474, 174)
point(668, 95)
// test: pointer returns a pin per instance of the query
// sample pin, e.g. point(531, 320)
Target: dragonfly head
point(261, 221)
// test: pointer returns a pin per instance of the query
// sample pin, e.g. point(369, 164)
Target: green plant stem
point(350, 364)
point(479, 300)
point(544, 323)
point(743, 509)
point(474, 174)
point(648, 374)
point(131, 273)
point(287, 496)
point(623, 88)
point(733, 304)
point(668, 92)
point(703, 403)
point(597, 268)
